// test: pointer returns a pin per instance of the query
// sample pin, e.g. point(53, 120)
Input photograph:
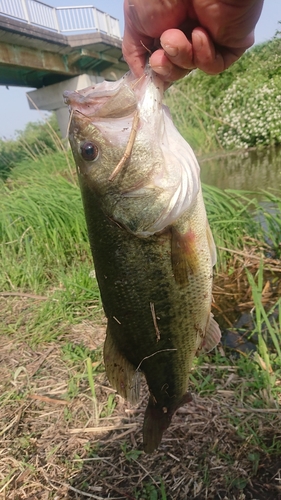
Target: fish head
point(130, 155)
point(100, 122)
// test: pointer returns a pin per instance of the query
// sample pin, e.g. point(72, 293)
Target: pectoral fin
point(121, 373)
point(183, 254)
point(212, 337)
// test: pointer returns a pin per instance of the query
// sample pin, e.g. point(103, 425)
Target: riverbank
point(65, 432)
point(225, 444)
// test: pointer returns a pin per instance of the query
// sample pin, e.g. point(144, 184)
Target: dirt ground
point(219, 447)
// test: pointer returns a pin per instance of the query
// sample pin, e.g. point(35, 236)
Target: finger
point(168, 71)
point(211, 59)
point(204, 53)
point(178, 49)
point(135, 54)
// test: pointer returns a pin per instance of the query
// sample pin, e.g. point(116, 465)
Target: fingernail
point(197, 39)
point(170, 50)
point(161, 70)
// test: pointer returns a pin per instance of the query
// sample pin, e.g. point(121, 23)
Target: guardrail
point(61, 19)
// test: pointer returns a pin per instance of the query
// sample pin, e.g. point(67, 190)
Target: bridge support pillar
point(50, 98)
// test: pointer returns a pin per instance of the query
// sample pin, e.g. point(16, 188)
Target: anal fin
point(121, 374)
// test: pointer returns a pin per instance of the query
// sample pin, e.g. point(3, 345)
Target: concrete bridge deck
point(41, 47)
point(32, 56)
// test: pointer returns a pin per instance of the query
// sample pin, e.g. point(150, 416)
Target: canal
point(247, 170)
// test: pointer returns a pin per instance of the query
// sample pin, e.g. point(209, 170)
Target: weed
point(151, 491)
point(73, 386)
point(130, 454)
point(255, 459)
point(267, 328)
point(67, 414)
point(109, 406)
point(92, 387)
point(202, 383)
point(76, 353)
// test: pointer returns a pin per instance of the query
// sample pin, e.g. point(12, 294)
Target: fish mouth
point(113, 99)
point(103, 102)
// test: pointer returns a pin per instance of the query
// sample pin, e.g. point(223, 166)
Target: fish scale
point(151, 243)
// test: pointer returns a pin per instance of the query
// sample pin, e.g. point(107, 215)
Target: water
point(250, 171)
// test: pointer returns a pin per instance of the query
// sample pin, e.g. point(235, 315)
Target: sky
point(13, 101)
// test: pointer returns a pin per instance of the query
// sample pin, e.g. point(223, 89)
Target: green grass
point(231, 216)
point(268, 329)
point(151, 491)
point(45, 249)
point(42, 227)
point(43, 231)
point(272, 222)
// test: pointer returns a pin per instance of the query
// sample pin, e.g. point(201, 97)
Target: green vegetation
point(50, 295)
point(43, 207)
point(239, 108)
point(36, 139)
point(43, 230)
point(268, 329)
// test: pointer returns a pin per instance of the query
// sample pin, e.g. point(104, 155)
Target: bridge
point(53, 49)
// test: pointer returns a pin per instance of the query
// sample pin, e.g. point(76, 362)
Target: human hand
point(206, 34)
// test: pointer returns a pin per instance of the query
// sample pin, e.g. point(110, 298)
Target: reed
point(42, 225)
point(232, 216)
point(43, 231)
point(270, 212)
point(267, 328)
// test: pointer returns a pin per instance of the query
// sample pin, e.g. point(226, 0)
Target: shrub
point(35, 139)
point(253, 114)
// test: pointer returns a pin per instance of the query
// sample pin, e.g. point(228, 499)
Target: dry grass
point(232, 292)
point(219, 447)
point(226, 444)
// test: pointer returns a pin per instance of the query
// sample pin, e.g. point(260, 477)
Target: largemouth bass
point(152, 246)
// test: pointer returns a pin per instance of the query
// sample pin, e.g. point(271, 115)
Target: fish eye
point(89, 151)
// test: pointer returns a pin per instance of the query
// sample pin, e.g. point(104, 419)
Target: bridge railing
point(61, 19)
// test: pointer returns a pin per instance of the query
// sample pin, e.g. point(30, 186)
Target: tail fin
point(157, 420)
